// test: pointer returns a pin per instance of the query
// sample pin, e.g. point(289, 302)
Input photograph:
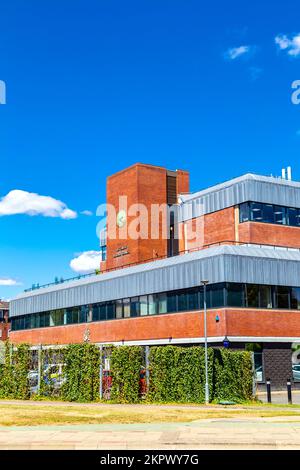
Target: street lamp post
point(204, 283)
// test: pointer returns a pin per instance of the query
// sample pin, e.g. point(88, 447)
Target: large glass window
point(292, 217)
point(126, 308)
point(235, 295)
point(193, 299)
point(282, 297)
point(256, 213)
point(252, 295)
point(279, 215)
point(244, 212)
point(217, 295)
point(268, 213)
point(172, 302)
point(265, 297)
point(295, 298)
point(162, 303)
point(110, 310)
point(152, 304)
point(144, 305)
point(183, 301)
point(119, 309)
point(134, 306)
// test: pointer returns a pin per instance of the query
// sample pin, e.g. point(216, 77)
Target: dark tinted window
point(235, 295)
point(252, 295)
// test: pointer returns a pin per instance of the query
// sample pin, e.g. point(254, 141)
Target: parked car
point(296, 372)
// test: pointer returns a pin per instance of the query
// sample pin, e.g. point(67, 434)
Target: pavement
point(280, 432)
point(247, 433)
point(280, 397)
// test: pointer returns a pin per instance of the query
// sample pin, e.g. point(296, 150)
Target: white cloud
point(88, 213)
point(86, 262)
point(23, 202)
point(237, 52)
point(290, 45)
point(6, 281)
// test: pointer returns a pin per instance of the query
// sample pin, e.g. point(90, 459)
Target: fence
point(127, 374)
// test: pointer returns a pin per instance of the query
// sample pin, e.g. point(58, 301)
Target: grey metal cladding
point(245, 188)
point(244, 263)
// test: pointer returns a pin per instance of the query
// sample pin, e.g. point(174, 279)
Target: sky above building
point(94, 86)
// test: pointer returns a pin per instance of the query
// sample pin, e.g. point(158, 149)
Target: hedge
point(177, 374)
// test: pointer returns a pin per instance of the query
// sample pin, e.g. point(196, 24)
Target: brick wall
point(277, 362)
point(145, 185)
point(233, 322)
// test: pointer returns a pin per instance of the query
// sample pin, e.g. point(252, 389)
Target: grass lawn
point(26, 414)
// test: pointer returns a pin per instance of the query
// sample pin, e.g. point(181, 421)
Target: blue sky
point(94, 86)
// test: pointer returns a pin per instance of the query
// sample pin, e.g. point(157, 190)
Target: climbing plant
point(14, 372)
point(82, 363)
point(177, 374)
point(126, 363)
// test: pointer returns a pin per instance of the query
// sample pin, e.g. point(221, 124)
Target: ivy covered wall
point(176, 374)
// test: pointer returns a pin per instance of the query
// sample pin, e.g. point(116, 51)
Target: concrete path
point(252, 433)
point(280, 397)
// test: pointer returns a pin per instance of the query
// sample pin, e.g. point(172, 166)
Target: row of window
point(218, 295)
point(269, 213)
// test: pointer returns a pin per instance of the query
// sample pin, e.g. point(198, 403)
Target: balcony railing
point(148, 260)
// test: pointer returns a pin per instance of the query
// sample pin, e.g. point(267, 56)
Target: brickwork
point(271, 234)
point(232, 322)
point(277, 362)
point(145, 185)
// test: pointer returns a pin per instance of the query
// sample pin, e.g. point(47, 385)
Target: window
point(72, 315)
point(279, 215)
point(252, 295)
point(172, 302)
point(265, 297)
point(96, 313)
point(119, 309)
point(126, 307)
point(292, 217)
point(56, 317)
point(268, 213)
point(134, 307)
point(83, 314)
point(182, 301)
point(217, 295)
point(144, 305)
point(193, 299)
point(235, 295)
point(152, 304)
point(295, 298)
point(282, 297)
point(102, 311)
point(256, 211)
point(162, 303)
point(110, 310)
point(244, 212)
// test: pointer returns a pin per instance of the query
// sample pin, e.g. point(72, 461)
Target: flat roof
point(244, 263)
point(249, 187)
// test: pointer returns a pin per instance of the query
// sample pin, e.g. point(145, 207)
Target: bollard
point(289, 391)
point(269, 391)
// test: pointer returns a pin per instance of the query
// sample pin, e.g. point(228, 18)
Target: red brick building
point(4, 320)
point(243, 236)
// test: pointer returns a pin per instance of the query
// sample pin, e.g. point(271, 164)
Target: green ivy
point(177, 374)
point(126, 362)
point(14, 372)
point(82, 364)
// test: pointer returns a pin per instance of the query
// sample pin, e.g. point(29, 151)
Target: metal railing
point(156, 258)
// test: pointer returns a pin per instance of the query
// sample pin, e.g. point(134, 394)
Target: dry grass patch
point(28, 415)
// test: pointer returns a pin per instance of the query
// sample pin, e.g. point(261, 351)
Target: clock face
point(121, 218)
